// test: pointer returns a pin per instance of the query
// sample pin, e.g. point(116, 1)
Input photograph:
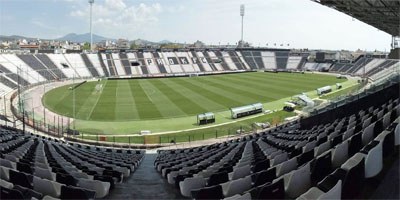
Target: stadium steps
point(302, 63)
point(103, 65)
point(258, 59)
point(13, 76)
point(8, 82)
point(249, 59)
point(223, 62)
point(89, 65)
point(281, 59)
point(125, 62)
point(46, 60)
point(145, 183)
point(236, 60)
point(142, 62)
point(111, 65)
point(199, 63)
point(160, 65)
point(36, 65)
point(209, 60)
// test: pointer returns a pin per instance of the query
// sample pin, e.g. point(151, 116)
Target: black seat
point(21, 179)
point(264, 177)
point(213, 192)
point(352, 180)
point(272, 191)
point(355, 144)
point(70, 192)
point(218, 178)
point(321, 167)
point(66, 179)
point(261, 165)
point(305, 157)
point(113, 173)
point(6, 193)
point(28, 193)
point(105, 178)
point(23, 167)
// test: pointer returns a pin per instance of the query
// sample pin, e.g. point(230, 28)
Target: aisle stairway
point(145, 183)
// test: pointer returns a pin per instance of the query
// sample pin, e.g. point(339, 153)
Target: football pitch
point(165, 98)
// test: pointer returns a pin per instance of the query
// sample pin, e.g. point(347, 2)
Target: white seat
point(44, 173)
point(316, 193)
point(7, 163)
point(171, 177)
point(322, 148)
point(309, 146)
point(373, 160)
point(101, 188)
point(279, 159)
point(297, 182)
point(6, 184)
point(368, 134)
point(186, 186)
point(245, 196)
point(340, 154)
point(236, 186)
point(4, 173)
point(47, 187)
point(286, 167)
point(240, 172)
point(397, 135)
point(349, 132)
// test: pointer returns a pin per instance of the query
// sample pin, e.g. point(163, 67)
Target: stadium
point(200, 121)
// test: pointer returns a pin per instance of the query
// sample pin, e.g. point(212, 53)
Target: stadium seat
point(373, 158)
point(236, 186)
point(70, 192)
point(240, 172)
point(317, 193)
point(101, 188)
point(189, 184)
point(7, 193)
point(274, 190)
point(213, 192)
point(298, 181)
point(47, 187)
point(286, 167)
point(263, 177)
point(321, 166)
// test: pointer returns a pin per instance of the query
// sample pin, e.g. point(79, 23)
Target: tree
point(134, 45)
point(86, 46)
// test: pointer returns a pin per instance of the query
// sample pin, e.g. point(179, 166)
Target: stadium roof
point(382, 14)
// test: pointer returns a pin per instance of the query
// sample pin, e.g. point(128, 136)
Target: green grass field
point(166, 98)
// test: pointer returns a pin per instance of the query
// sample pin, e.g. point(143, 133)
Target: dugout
point(324, 90)
point(205, 118)
point(243, 111)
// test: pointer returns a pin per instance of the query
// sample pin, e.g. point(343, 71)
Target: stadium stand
point(125, 63)
point(36, 167)
point(103, 65)
point(142, 62)
point(35, 64)
point(116, 60)
point(110, 63)
point(51, 66)
point(313, 159)
point(90, 66)
point(13, 76)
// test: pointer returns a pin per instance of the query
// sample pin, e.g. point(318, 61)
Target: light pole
point(91, 2)
point(242, 8)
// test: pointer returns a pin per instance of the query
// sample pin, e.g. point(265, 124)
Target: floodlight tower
point(91, 2)
point(242, 15)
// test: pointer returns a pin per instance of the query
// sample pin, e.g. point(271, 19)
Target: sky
point(299, 23)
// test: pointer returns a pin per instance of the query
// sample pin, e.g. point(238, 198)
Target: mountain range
point(80, 38)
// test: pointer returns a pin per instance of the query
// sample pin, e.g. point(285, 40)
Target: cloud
point(115, 16)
